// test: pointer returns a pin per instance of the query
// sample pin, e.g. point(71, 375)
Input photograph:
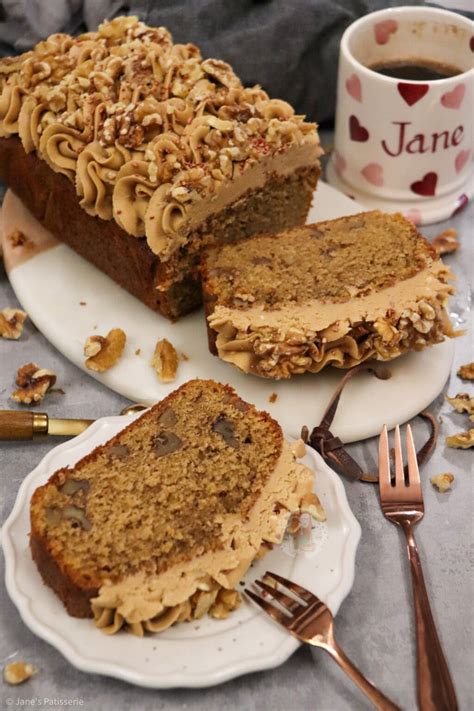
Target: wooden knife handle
point(16, 424)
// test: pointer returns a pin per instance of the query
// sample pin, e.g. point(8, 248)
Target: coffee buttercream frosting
point(151, 134)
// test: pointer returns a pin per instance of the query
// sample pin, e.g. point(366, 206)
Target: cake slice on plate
point(137, 152)
point(158, 525)
point(335, 293)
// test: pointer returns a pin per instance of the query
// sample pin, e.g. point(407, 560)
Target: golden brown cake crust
point(75, 587)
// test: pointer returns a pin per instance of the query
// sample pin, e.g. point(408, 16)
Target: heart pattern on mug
point(383, 30)
point(373, 173)
point(411, 93)
point(461, 203)
point(461, 160)
point(414, 216)
point(354, 87)
point(453, 99)
point(339, 162)
point(426, 186)
point(471, 44)
point(357, 132)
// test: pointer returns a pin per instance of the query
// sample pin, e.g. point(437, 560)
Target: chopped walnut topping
point(461, 440)
point(466, 372)
point(33, 383)
point(11, 323)
point(462, 402)
point(311, 504)
point(102, 353)
point(442, 481)
point(165, 361)
point(18, 672)
point(446, 242)
point(226, 602)
point(18, 239)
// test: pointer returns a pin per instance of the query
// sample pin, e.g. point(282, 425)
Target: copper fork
point(311, 621)
point(401, 499)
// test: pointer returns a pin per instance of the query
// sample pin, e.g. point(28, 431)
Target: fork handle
point(376, 697)
point(435, 686)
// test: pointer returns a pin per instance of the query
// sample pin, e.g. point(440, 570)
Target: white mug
point(402, 144)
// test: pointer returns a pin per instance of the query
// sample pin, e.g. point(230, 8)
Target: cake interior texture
point(337, 292)
point(167, 516)
point(154, 144)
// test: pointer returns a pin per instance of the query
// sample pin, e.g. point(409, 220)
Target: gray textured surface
point(375, 623)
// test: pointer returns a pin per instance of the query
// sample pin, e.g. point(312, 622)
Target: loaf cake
point(159, 524)
point(137, 152)
point(335, 293)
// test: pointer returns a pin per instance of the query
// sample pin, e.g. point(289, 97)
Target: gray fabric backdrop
point(290, 47)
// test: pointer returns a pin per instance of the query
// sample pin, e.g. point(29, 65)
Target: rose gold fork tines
point(401, 499)
point(308, 619)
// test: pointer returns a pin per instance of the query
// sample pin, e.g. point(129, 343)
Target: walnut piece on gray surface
point(165, 361)
point(18, 672)
point(11, 323)
point(466, 372)
point(446, 242)
point(442, 482)
point(103, 352)
point(33, 383)
point(462, 402)
point(461, 440)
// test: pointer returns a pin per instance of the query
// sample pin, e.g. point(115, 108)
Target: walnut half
point(18, 672)
point(461, 440)
point(102, 353)
point(462, 402)
point(11, 323)
point(33, 383)
point(446, 242)
point(442, 481)
point(165, 361)
point(466, 372)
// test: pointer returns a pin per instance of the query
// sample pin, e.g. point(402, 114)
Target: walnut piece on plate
point(446, 242)
point(461, 440)
point(311, 504)
point(442, 482)
point(11, 323)
point(226, 602)
point(103, 352)
point(462, 402)
point(466, 372)
point(165, 361)
point(33, 383)
point(17, 672)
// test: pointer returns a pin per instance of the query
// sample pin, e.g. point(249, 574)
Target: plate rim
point(179, 679)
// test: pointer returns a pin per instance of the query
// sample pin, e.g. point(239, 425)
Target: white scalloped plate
point(52, 281)
point(194, 654)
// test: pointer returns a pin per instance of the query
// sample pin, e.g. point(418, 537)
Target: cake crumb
point(273, 397)
point(466, 372)
point(11, 323)
point(33, 383)
point(446, 242)
point(82, 303)
point(18, 672)
point(138, 351)
point(461, 440)
point(17, 238)
point(165, 361)
point(311, 504)
point(102, 353)
point(183, 356)
point(442, 482)
point(462, 402)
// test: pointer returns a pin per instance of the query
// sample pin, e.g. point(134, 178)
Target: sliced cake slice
point(334, 293)
point(159, 524)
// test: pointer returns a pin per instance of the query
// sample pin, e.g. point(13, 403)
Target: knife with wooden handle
point(17, 424)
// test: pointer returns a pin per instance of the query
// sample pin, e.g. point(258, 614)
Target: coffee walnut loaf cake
point(158, 525)
point(137, 152)
point(335, 293)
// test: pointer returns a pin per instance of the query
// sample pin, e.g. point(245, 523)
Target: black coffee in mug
point(415, 69)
